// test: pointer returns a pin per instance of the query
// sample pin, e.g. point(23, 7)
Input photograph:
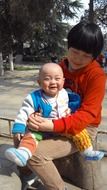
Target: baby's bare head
point(50, 68)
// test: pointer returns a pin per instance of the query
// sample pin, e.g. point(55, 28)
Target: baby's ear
point(38, 81)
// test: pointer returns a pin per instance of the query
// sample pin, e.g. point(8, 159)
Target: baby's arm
point(25, 111)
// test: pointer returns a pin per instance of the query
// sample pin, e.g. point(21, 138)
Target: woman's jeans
point(49, 150)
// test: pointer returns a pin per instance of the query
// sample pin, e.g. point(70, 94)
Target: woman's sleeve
point(89, 111)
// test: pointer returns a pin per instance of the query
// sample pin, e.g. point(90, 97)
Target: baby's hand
point(17, 138)
point(39, 113)
point(66, 112)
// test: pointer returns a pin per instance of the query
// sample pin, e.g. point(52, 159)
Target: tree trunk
point(1, 65)
point(11, 62)
point(91, 11)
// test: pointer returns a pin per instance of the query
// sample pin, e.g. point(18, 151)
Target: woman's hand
point(38, 123)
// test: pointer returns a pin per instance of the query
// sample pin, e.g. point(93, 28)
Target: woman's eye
point(74, 51)
point(88, 56)
point(46, 79)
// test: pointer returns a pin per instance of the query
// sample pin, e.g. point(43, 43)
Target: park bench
point(86, 175)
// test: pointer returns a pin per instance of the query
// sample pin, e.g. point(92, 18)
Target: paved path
point(14, 86)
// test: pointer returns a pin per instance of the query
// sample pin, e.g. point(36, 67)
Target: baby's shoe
point(17, 156)
point(94, 155)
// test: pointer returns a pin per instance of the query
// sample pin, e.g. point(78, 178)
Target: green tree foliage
point(5, 25)
point(36, 21)
point(50, 40)
point(99, 12)
point(50, 32)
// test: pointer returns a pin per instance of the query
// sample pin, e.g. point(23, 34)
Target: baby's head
point(51, 79)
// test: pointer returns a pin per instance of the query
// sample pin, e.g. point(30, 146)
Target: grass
point(22, 68)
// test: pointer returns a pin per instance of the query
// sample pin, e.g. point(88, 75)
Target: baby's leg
point(24, 152)
point(84, 145)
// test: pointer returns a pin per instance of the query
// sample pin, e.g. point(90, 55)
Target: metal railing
point(8, 133)
point(10, 122)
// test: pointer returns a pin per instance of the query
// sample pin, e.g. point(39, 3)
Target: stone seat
point(87, 175)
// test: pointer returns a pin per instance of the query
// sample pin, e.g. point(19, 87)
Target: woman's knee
point(37, 159)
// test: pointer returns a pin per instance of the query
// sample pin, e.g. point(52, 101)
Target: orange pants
point(29, 142)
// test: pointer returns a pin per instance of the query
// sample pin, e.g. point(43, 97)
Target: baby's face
point(51, 80)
